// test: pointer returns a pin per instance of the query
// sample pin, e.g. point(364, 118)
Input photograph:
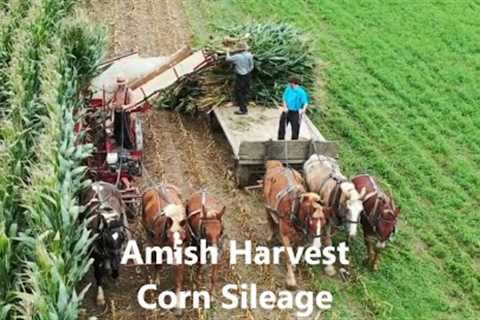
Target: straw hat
point(242, 46)
point(121, 79)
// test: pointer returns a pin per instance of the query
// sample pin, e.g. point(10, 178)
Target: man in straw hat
point(121, 122)
point(295, 102)
point(242, 60)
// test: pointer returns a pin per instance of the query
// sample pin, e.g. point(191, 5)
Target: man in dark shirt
point(243, 66)
point(121, 101)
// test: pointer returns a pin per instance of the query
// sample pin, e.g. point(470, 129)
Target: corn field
point(46, 59)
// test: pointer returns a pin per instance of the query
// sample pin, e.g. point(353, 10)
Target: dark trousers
point(292, 117)
point(121, 127)
point(241, 91)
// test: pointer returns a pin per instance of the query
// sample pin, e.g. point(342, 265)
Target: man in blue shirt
point(295, 102)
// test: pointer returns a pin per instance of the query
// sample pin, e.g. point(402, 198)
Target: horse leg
point(199, 273)
point(98, 272)
point(179, 273)
point(327, 242)
point(369, 244)
point(284, 233)
point(376, 259)
point(125, 223)
point(158, 269)
point(214, 277)
point(272, 225)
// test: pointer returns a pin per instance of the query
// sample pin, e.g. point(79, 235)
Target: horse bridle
point(107, 227)
point(374, 217)
point(303, 227)
point(203, 218)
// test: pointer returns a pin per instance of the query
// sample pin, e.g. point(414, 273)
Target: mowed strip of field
point(400, 95)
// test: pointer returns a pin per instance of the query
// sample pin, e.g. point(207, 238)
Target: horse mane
point(349, 189)
point(270, 164)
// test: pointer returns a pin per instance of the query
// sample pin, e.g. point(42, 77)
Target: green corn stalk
point(28, 121)
point(51, 197)
point(10, 19)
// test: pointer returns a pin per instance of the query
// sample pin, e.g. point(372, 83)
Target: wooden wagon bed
point(253, 139)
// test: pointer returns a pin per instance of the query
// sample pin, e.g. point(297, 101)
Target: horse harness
point(161, 212)
point(334, 199)
point(112, 219)
point(164, 195)
point(289, 190)
point(373, 216)
point(203, 218)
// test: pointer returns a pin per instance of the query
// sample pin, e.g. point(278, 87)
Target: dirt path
point(184, 151)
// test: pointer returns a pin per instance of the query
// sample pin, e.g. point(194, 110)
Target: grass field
point(399, 92)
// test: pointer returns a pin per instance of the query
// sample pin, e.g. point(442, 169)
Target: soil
point(185, 151)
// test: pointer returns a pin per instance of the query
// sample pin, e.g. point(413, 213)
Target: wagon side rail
point(252, 155)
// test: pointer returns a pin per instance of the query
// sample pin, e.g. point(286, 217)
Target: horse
point(290, 209)
point(107, 219)
point(379, 218)
point(165, 221)
point(204, 216)
point(323, 176)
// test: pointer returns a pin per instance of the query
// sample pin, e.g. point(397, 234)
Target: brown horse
point(379, 218)
point(292, 209)
point(165, 221)
point(205, 214)
point(323, 176)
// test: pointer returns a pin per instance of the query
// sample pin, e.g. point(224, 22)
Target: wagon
point(253, 139)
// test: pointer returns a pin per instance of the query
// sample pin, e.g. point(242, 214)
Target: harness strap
point(163, 192)
point(194, 213)
point(373, 216)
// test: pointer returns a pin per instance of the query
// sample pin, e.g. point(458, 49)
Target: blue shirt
point(295, 98)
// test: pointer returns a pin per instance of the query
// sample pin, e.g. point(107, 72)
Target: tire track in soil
point(182, 150)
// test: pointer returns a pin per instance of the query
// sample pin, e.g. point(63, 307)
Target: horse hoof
point(330, 271)
point(101, 302)
point(100, 297)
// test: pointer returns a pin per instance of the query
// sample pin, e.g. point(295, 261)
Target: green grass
point(399, 92)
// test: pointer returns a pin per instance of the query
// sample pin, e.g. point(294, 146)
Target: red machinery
point(109, 161)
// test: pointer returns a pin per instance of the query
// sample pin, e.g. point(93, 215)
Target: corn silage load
point(280, 52)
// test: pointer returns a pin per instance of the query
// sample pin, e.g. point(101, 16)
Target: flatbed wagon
point(253, 139)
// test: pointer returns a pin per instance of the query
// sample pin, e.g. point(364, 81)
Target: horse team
point(315, 206)
point(310, 207)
